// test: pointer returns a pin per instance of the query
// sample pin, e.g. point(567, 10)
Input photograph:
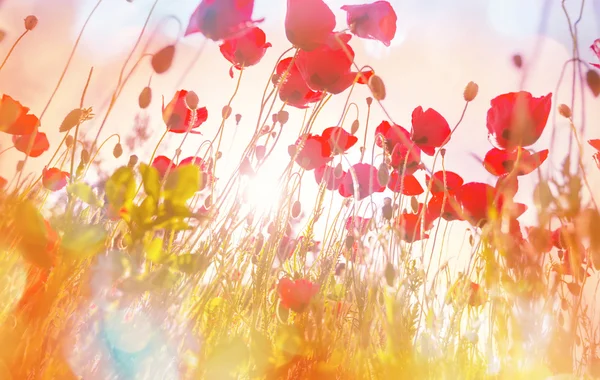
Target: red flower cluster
point(316, 151)
point(16, 120)
point(297, 294)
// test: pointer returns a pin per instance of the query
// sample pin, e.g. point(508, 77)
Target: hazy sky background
point(440, 46)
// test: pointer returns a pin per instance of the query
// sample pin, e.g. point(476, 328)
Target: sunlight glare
point(262, 194)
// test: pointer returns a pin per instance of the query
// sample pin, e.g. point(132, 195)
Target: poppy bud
point(593, 81)
point(443, 152)
point(389, 274)
point(31, 22)
point(85, 156)
point(565, 111)
point(219, 155)
point(162, 60)
point(383, 174)
point(349, 242)
point(192, 100)
point(118, 150)
point(296, 208)
point(339, 269)
point(470, 91)
point(369, 101)
point(72, 119)
point(226, 112)
point(283, 117)
point(517, 60)
point(275, 79)
point(387, 211)
point(338, 171)
point(292, 150)
point(145, 97)
point(377, 87)
point(414, 204)
point(246, 167)
point(260, 152)
point(238, 118)
point(354, 127)
point(133, 160)
point(273, 134)
point(69, 141)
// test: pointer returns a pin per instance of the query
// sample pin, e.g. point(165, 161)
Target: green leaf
point(84, 241)
point(182, 183)
point(83, 192)
point(151, 180)
point(154, 251)
point(191, 264)
point(120, 187)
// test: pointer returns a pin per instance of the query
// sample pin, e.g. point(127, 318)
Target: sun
point(262, 194)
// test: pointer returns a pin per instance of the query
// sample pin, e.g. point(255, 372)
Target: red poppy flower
point(179, 118)
point(406, 159)
point(54, 179)
point(444, 181)
point(358, 225)
point(308, 23)
point(539, 238)
point(339, 140)
point(499, 162)
point(327, 68)
point(475, 199)
point(409, 226)
point(507, 185)
point(327, 173)
point(294, 90)
point(222, 19)
point(368, 183)
point(451, 207)
point(517, 119)
point(596, 49)
point(162, 164)
point(313, 153)
point(405, 184)
point(391, 135)
point(40, 144)
point(14, 118)
point(430, 129)
point(376, 21)
point(296, 295)
point(595, 143)
point(246, 50)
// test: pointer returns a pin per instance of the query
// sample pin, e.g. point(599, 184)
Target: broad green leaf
point(182, 183)
point(34, 233)
point(191, 264)
point(154, 251)
point(151, 180)
point(84, 241)
point(120, 187)
point(83, 192)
